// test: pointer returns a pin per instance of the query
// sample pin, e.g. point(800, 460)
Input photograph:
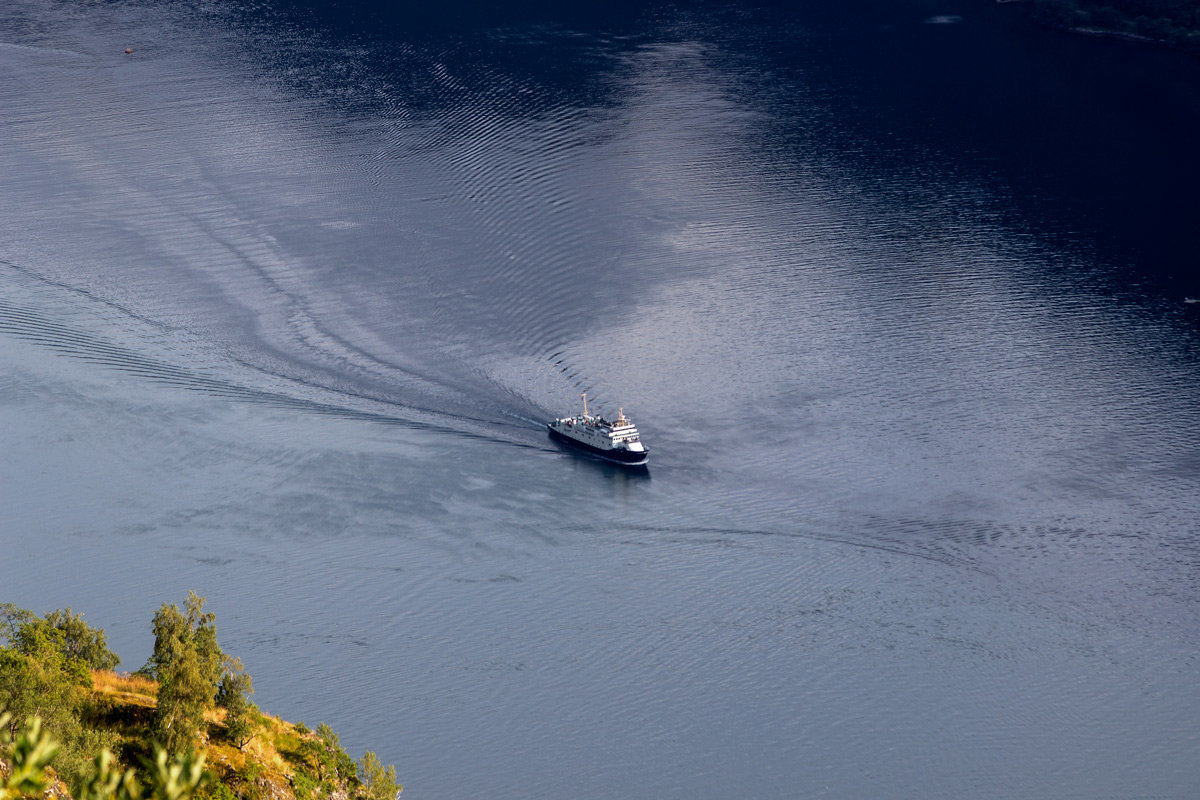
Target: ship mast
point(585, 404)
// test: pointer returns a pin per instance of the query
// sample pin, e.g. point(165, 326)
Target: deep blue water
point(898, 294)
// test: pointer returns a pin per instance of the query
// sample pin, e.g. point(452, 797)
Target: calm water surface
point(898, 294)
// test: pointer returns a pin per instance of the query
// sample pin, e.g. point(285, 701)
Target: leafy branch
point(31, 752)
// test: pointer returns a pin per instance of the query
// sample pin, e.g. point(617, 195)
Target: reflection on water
point(287, 298)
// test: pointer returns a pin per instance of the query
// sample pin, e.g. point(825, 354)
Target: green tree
point(46, 644)
point(40, 678)
point(377, 782)
point(83, 642)
point(193, 629)
point(183, 696)
point(339, 763)
point(12, 617)
point(233, 695)
point(187, 663)
point(36, 680)
point(204, 626)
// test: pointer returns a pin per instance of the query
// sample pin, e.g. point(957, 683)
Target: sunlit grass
point(125, 687)
point(125, 705)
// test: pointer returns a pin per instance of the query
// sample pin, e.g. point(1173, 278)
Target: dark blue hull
point(623, 457)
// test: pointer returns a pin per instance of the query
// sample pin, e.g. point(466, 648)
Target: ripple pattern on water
point(924, 478)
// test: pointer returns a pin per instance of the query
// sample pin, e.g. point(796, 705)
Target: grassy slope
point(263, 768)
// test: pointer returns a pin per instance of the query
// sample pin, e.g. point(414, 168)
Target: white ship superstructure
point(617, 441)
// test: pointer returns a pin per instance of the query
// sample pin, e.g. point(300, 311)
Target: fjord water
point(896, 292)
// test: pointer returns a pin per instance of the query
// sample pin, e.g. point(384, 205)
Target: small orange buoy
point(128, 50)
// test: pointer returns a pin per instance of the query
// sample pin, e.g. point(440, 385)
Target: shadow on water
point(1089, 140)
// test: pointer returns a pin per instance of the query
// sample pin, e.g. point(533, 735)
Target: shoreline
point(1076, 18)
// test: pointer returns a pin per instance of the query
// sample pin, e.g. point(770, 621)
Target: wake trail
point(66, 333)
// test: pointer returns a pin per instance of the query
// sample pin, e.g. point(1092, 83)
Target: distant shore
point(1175, 23)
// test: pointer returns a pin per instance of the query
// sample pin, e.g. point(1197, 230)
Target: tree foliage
point(378, 783)
point(20, 628)
point(12, 617)
point(44, 674)
point(29, 756)
point(46, 666)
point(33, 750)
point(37, 679)
point(32, 686)
point(187, 663)
point(193, 629)
point(338, 763)
point(322, 766)
point(82, 642)
point(233, 694)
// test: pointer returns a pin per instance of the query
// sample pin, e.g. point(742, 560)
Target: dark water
point(897, 293)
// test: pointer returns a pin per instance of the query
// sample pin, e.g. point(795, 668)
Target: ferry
point(617, 441)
